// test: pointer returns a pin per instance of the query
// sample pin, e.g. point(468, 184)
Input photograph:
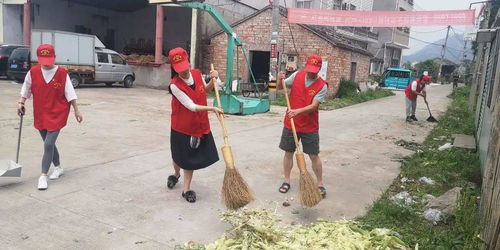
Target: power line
point(417, 39)
point(424, 32)
point(455, 56)
point(291, 34)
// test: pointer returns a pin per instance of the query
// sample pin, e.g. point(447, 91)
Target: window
point(396, 54)
point(306, 4)
point(395, 63)
point(102, 58)
point(348, 6)
point(5, 51)
point(400, 74)
point(116, 59)
point(20, 54)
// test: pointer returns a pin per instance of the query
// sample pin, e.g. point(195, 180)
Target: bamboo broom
point(235, 191)
point(309, 194)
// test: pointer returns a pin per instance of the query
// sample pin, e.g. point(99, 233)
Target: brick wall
point(256, 35)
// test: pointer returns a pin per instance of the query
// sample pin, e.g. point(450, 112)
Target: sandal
point(322, 191)
point(190, 196)
point(284, 188)
point(172, 180)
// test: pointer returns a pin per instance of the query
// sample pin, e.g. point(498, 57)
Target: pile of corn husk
point(143, 58)
point(259, 229)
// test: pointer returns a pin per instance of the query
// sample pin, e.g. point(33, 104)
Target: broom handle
point(427, 104)
point(19, 137)
point(295, 138)
point(217, 97)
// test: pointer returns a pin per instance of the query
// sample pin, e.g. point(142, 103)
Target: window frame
point(106, 55)
point(123, 62)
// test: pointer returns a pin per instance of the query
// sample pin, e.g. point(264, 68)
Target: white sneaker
point(58, 171)
point(42, 182)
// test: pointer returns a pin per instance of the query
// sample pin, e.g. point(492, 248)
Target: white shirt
point(182, 97)
point(69, 91)
point(414, 86)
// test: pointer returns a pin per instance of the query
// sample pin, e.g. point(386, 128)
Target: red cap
point(179, 59)
point(313, 64)
point(426, 78)
point(46, 54)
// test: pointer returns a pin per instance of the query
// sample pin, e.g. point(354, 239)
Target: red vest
point(409, 93)
point(301, 96)
point(50, 107)
point(184, 120)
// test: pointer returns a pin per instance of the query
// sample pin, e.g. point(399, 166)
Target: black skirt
point(193, 159)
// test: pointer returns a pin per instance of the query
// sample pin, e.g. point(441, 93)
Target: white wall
point(13, 23)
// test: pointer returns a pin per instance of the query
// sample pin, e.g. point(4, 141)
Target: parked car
point(85, 57)
point(396, 78)
point(5, 51)
point(19, 64)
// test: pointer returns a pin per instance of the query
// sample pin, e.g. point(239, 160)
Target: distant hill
point(454, 53)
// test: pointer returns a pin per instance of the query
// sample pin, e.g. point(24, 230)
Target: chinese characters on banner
point(381, 18)
point(274, 52)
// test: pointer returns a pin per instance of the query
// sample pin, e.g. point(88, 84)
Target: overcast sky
point(436, 32)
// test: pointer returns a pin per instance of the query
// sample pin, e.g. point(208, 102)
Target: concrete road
point(113, 194)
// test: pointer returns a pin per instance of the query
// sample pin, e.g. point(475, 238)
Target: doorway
point(260, 65)
point(353, 71)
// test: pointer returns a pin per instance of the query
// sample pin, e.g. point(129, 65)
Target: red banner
point(274, 52)
point(381, 18)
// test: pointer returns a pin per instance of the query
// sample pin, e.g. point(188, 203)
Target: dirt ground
point(113, 193)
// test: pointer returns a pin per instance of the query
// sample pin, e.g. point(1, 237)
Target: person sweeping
point(412, 91)
point(308, 90)
point(53, 94)
point(191, 142)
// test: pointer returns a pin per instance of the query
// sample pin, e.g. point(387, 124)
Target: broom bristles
point(235, 191)
point(308, 190)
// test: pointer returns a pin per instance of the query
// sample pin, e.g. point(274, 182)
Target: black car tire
point(75, 80)
point(128, 82)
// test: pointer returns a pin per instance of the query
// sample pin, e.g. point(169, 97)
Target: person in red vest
point(412, 91)
point(53, 94)
point(191, 141)
point(307, 91)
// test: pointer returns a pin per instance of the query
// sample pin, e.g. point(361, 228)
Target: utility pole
point(273, 65)
point(443, 52)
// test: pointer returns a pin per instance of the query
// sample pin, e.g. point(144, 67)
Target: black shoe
point(408, 119)
point(414, 118)
point(190, 196)
point(172, 180)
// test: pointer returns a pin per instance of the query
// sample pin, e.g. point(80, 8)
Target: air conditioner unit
point(291, 62)
point(284, 58)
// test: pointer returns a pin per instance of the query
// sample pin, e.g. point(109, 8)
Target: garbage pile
point(258, 229)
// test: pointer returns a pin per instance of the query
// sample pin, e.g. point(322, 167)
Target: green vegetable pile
point(258, 229)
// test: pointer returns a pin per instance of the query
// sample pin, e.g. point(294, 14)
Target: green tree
point(429, 66)
point(408, 65)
